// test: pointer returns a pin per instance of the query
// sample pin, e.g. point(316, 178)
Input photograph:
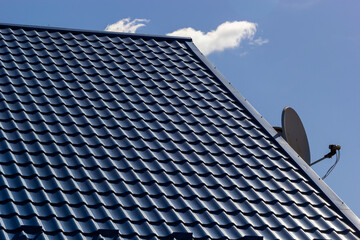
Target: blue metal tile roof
point(106, 134)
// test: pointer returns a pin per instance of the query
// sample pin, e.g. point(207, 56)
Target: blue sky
point(309, 59)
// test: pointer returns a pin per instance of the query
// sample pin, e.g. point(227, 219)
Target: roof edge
point(329, 193)
point(95, 32)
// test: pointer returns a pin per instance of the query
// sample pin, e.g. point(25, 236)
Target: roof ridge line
point(318, 182)
point(95, 32)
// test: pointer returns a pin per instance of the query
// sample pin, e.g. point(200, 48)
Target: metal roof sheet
point(107, 134)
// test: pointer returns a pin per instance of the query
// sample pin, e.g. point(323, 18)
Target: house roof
point(137, 136)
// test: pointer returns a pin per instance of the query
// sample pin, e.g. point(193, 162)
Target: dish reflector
point(294, 133)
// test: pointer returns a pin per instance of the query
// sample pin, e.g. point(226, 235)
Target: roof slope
point(104, 133)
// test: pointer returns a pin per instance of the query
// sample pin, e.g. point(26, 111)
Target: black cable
point(333, 166)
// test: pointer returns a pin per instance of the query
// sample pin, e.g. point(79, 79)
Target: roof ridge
point(95, 32)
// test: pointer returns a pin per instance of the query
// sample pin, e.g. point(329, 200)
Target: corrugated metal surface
point(102, 132)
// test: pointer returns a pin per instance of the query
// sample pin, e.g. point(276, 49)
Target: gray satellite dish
point(294, 133)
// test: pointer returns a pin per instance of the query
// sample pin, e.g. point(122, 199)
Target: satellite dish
point(294, 133)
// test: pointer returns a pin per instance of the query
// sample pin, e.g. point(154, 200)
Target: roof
point(137, 136)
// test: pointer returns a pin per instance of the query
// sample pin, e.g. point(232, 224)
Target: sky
point(276, 53)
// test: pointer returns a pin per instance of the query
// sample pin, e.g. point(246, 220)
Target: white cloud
point(259, 41)
point(125, 25)
point(227, 35)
